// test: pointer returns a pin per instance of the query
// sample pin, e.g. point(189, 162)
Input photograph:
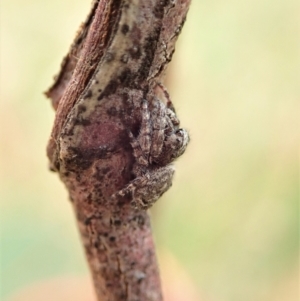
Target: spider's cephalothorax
point(159, 142)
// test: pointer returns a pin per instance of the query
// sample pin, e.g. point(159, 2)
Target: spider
point(159, 142)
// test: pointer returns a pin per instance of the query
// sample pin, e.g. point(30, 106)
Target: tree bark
point(118, 57)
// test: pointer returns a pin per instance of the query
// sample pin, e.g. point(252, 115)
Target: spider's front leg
point(148, 188)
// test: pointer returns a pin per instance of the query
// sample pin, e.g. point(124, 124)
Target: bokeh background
point(228, 228)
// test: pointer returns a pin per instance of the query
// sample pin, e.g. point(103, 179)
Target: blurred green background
point(228, 228)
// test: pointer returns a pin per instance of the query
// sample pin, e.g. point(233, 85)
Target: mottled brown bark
point(118, 58)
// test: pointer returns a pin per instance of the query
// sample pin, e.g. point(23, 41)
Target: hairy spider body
point(159, 142)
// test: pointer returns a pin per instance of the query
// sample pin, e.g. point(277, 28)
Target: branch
point(118, 58)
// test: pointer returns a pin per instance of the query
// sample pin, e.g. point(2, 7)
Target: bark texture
point(118, 58)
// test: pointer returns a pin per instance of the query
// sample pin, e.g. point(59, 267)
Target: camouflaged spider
point(159, 142)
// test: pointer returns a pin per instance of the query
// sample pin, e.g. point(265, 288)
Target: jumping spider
point(159, 142)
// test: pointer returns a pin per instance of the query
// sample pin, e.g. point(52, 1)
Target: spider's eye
point(182, 139)
point(179, 132)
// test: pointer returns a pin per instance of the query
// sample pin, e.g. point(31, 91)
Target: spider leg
point(144, 136)
point(158, 129)
point(155, 184)
point(148, 188)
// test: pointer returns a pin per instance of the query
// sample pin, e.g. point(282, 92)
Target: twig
point(118, 58)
